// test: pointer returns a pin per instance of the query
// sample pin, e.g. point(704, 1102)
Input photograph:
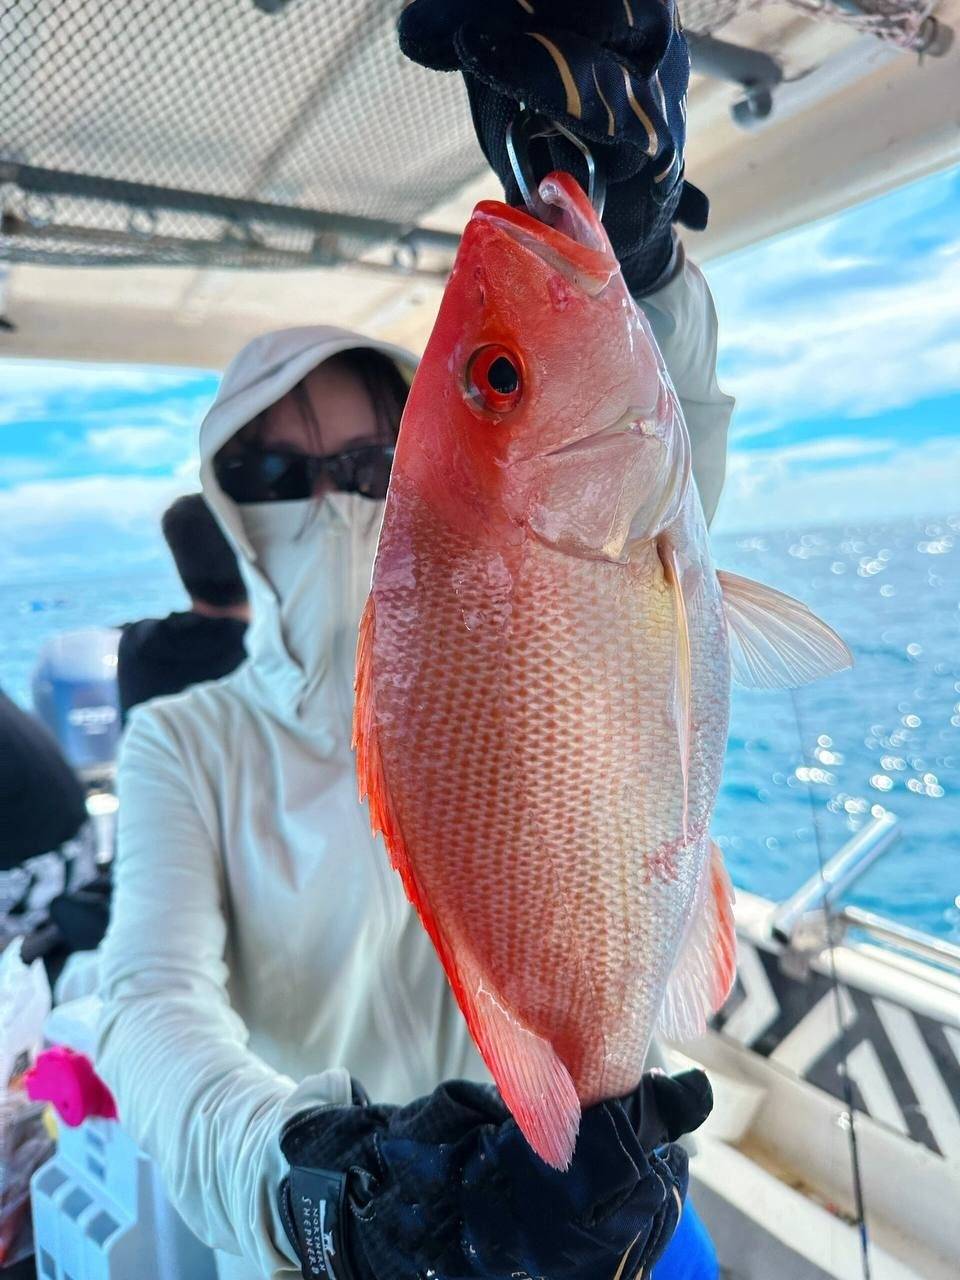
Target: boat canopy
point(216, 151)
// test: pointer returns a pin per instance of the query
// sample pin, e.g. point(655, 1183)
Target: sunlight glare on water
point(885, 736)
point(881, 737)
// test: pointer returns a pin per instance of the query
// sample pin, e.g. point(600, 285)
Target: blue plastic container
point(75, 695)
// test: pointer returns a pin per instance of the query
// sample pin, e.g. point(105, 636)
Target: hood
point(335, 549)
point(266, 369)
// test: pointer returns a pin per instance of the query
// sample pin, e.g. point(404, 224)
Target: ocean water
point(800, 768)
point(816, 764)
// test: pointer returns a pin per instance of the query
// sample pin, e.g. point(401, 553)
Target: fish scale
point(572, 718)
point(574, 788)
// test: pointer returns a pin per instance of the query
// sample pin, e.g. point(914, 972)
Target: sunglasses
point(271, 475)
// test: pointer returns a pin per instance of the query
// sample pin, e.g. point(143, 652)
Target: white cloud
point(18, 469)
point(138, 446)
point(189, 469)
point(181, 410)
point(55, 376)
point(773, 488)
point(31, 389)
point(810, 328)
point(119, 500)
point(829, 449)
point(95, 525)
point(879, 349)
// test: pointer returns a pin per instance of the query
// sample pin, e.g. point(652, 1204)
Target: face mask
point(317, 559)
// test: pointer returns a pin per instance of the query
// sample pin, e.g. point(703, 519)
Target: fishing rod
point(843, 1067)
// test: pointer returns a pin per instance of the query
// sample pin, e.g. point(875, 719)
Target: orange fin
point(706, 966)
point(535, 1084)
point(370, 777)
point(532, 1079)
point(682, 690)
point(775, 641)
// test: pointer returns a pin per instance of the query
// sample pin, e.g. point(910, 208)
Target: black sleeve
point(42, 802)
point(128, 674)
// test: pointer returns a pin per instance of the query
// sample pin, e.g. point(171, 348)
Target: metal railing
point(754, 71)
point(846, 866)
point(811, 918)
point(335, 236)
point(922, 945)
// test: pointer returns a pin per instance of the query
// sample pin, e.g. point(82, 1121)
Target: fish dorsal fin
point(531, 1077)
point(775, 641)
point(683, 680)
point(706, 966)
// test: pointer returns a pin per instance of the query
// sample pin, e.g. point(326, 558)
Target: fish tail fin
point(776, 642)
point(706, 966)
point(532, 1078)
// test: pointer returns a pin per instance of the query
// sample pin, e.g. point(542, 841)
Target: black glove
point(613, 72)
point(82, 916)
point(448, 1187)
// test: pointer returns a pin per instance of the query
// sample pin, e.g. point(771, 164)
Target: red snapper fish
point(544, 667)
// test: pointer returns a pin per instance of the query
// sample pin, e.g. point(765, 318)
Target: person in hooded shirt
point(261, 953)
point(264, 973)
point(160, 656)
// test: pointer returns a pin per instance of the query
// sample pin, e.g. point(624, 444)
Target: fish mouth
point(573, 242)
point(629, 424)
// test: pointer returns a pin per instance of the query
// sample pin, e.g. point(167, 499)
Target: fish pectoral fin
point(706, 966)
point(775, 641)
point(532, 1078)
point(683, 681)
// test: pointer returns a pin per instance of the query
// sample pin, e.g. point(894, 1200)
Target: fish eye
point(495, 379)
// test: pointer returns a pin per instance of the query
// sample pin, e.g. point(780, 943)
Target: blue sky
point(841, 342)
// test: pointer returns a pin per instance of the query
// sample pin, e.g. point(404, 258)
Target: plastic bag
point(25, 1002)
point(24, 1142)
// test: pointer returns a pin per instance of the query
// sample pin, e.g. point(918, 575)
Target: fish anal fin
point(532, 1078)
point(706, 966)
point(683, 682)
point(534, 1083)
point(776, 642)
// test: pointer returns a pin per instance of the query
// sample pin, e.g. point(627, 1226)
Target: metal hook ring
point(517, 137)
point(596, 179)
point(519, 133)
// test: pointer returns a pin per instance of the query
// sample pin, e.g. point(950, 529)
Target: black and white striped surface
point(904, 1067)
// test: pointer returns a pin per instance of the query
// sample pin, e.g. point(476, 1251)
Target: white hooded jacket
point(261, 950)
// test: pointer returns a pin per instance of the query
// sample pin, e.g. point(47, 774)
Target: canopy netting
point(302, 106)
point(900, 21)
point(243, 132)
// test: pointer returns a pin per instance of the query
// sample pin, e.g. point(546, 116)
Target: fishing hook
point(521, 131)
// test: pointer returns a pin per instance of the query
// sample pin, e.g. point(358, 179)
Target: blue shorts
point(690, 1255)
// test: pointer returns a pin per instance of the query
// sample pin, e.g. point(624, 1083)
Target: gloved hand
point(448, 1187)
point(613, 72)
